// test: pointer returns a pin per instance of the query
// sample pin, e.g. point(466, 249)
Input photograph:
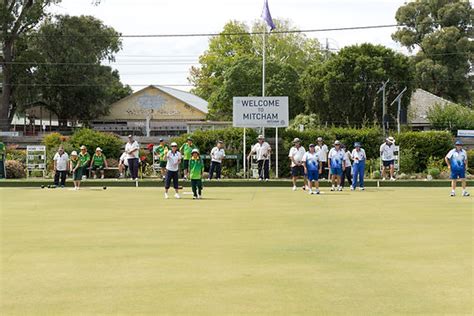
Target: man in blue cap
point(456, 160)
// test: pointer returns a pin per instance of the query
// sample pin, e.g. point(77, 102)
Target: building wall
point(154, 102)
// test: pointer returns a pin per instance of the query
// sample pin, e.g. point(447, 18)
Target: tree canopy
point(71, 80)
point(232, 66)
point(442, 32)
point(343, 90)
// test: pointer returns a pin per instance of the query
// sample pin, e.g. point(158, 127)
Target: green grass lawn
point(239, 251)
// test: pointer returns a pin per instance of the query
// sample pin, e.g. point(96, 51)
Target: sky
point(166, 61)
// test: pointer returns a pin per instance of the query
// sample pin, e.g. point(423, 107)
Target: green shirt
point(161, 151)
point(75, 163)
point(98, 161)
point(186, 151)
point(2, 151)
point(84, 158)
point(196, 167)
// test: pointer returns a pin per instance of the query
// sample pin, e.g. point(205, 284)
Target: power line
point(349, 28)
point(180, 62)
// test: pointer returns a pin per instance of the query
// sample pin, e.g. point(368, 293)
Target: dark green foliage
point(343, 90)
point(425, 146)
point(232, 138)
point(451, 117)
point(110, 144)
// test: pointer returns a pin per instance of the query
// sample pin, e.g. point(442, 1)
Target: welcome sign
point(260, 112)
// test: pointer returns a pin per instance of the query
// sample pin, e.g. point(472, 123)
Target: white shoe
point(102, 176)
point(294, 188)
point(316, 192)
point(393, 179)
point(266, 180)
point(339, 188)
point(465, 193)
point(452, 193)
point(176, 196)
point(362, 189)
point(352, 188)
point(260, 179)
point(333, 188)
point(383, 179)
point(195, 197)
point(310, 192)
point(199, 197)
point(166, 196)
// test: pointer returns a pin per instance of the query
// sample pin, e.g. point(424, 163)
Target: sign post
point(254, 112)
point(36, 159)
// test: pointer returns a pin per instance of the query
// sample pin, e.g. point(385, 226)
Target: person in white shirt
point(217, 155)
point(61, 167)
point(387, 154)
point(312, 169)
point(123, 165)
point(132, 149)
point(262, 150)
point(173, 159)
point(296, 158)
point(347, 174)
point(456, 159)
point(322, 150)
point(358, 168)
point(337, 164)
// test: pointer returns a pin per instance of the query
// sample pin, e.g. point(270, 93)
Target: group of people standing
point(312, 164)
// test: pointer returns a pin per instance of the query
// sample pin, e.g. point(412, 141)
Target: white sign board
point(466, 133)
point(260, 112)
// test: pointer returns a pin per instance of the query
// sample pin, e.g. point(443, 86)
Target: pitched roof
point(187, 97)
point(421, 102)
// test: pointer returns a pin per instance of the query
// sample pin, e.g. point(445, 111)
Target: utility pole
point(399, 100)
point(384, 111)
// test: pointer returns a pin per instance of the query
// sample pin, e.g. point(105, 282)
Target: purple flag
point(267, 17)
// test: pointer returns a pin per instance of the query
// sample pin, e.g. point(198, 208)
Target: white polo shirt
point(261, 150)
point(323, 152)
point(387, 152)
point(172, 160)
point(297, 154)
point(217, 154)
point(347, 159)
point(131, 146)
point(61, 161)
point(357, 156)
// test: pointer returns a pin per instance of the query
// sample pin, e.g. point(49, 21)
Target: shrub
point(54, 140)
point(425, 146)
point(451, 117)
point(434, 172)
point(376, 175)
point(12, 153)
point(232, 138)
point(15, 169)
point(470, 161)
point(110, 143)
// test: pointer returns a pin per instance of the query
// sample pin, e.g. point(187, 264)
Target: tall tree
point(70, 78)
point(288, 54)
point(343, 90)
point(17, 17)
point(442, 31)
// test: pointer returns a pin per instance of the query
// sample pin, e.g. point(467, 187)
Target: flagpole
point(264, 50)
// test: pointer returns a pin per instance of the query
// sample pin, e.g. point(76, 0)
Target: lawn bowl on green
point(239, 251)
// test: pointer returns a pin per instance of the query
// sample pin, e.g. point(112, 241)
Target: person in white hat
point(132, 149)
point(76, 169)
point(322, 150)
point(456, 159)
point(337, 164)
point(173, 159)
point(262, 150)
point(98, 163)
point(387, 154)
point(359, 157)
point(296, 156)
